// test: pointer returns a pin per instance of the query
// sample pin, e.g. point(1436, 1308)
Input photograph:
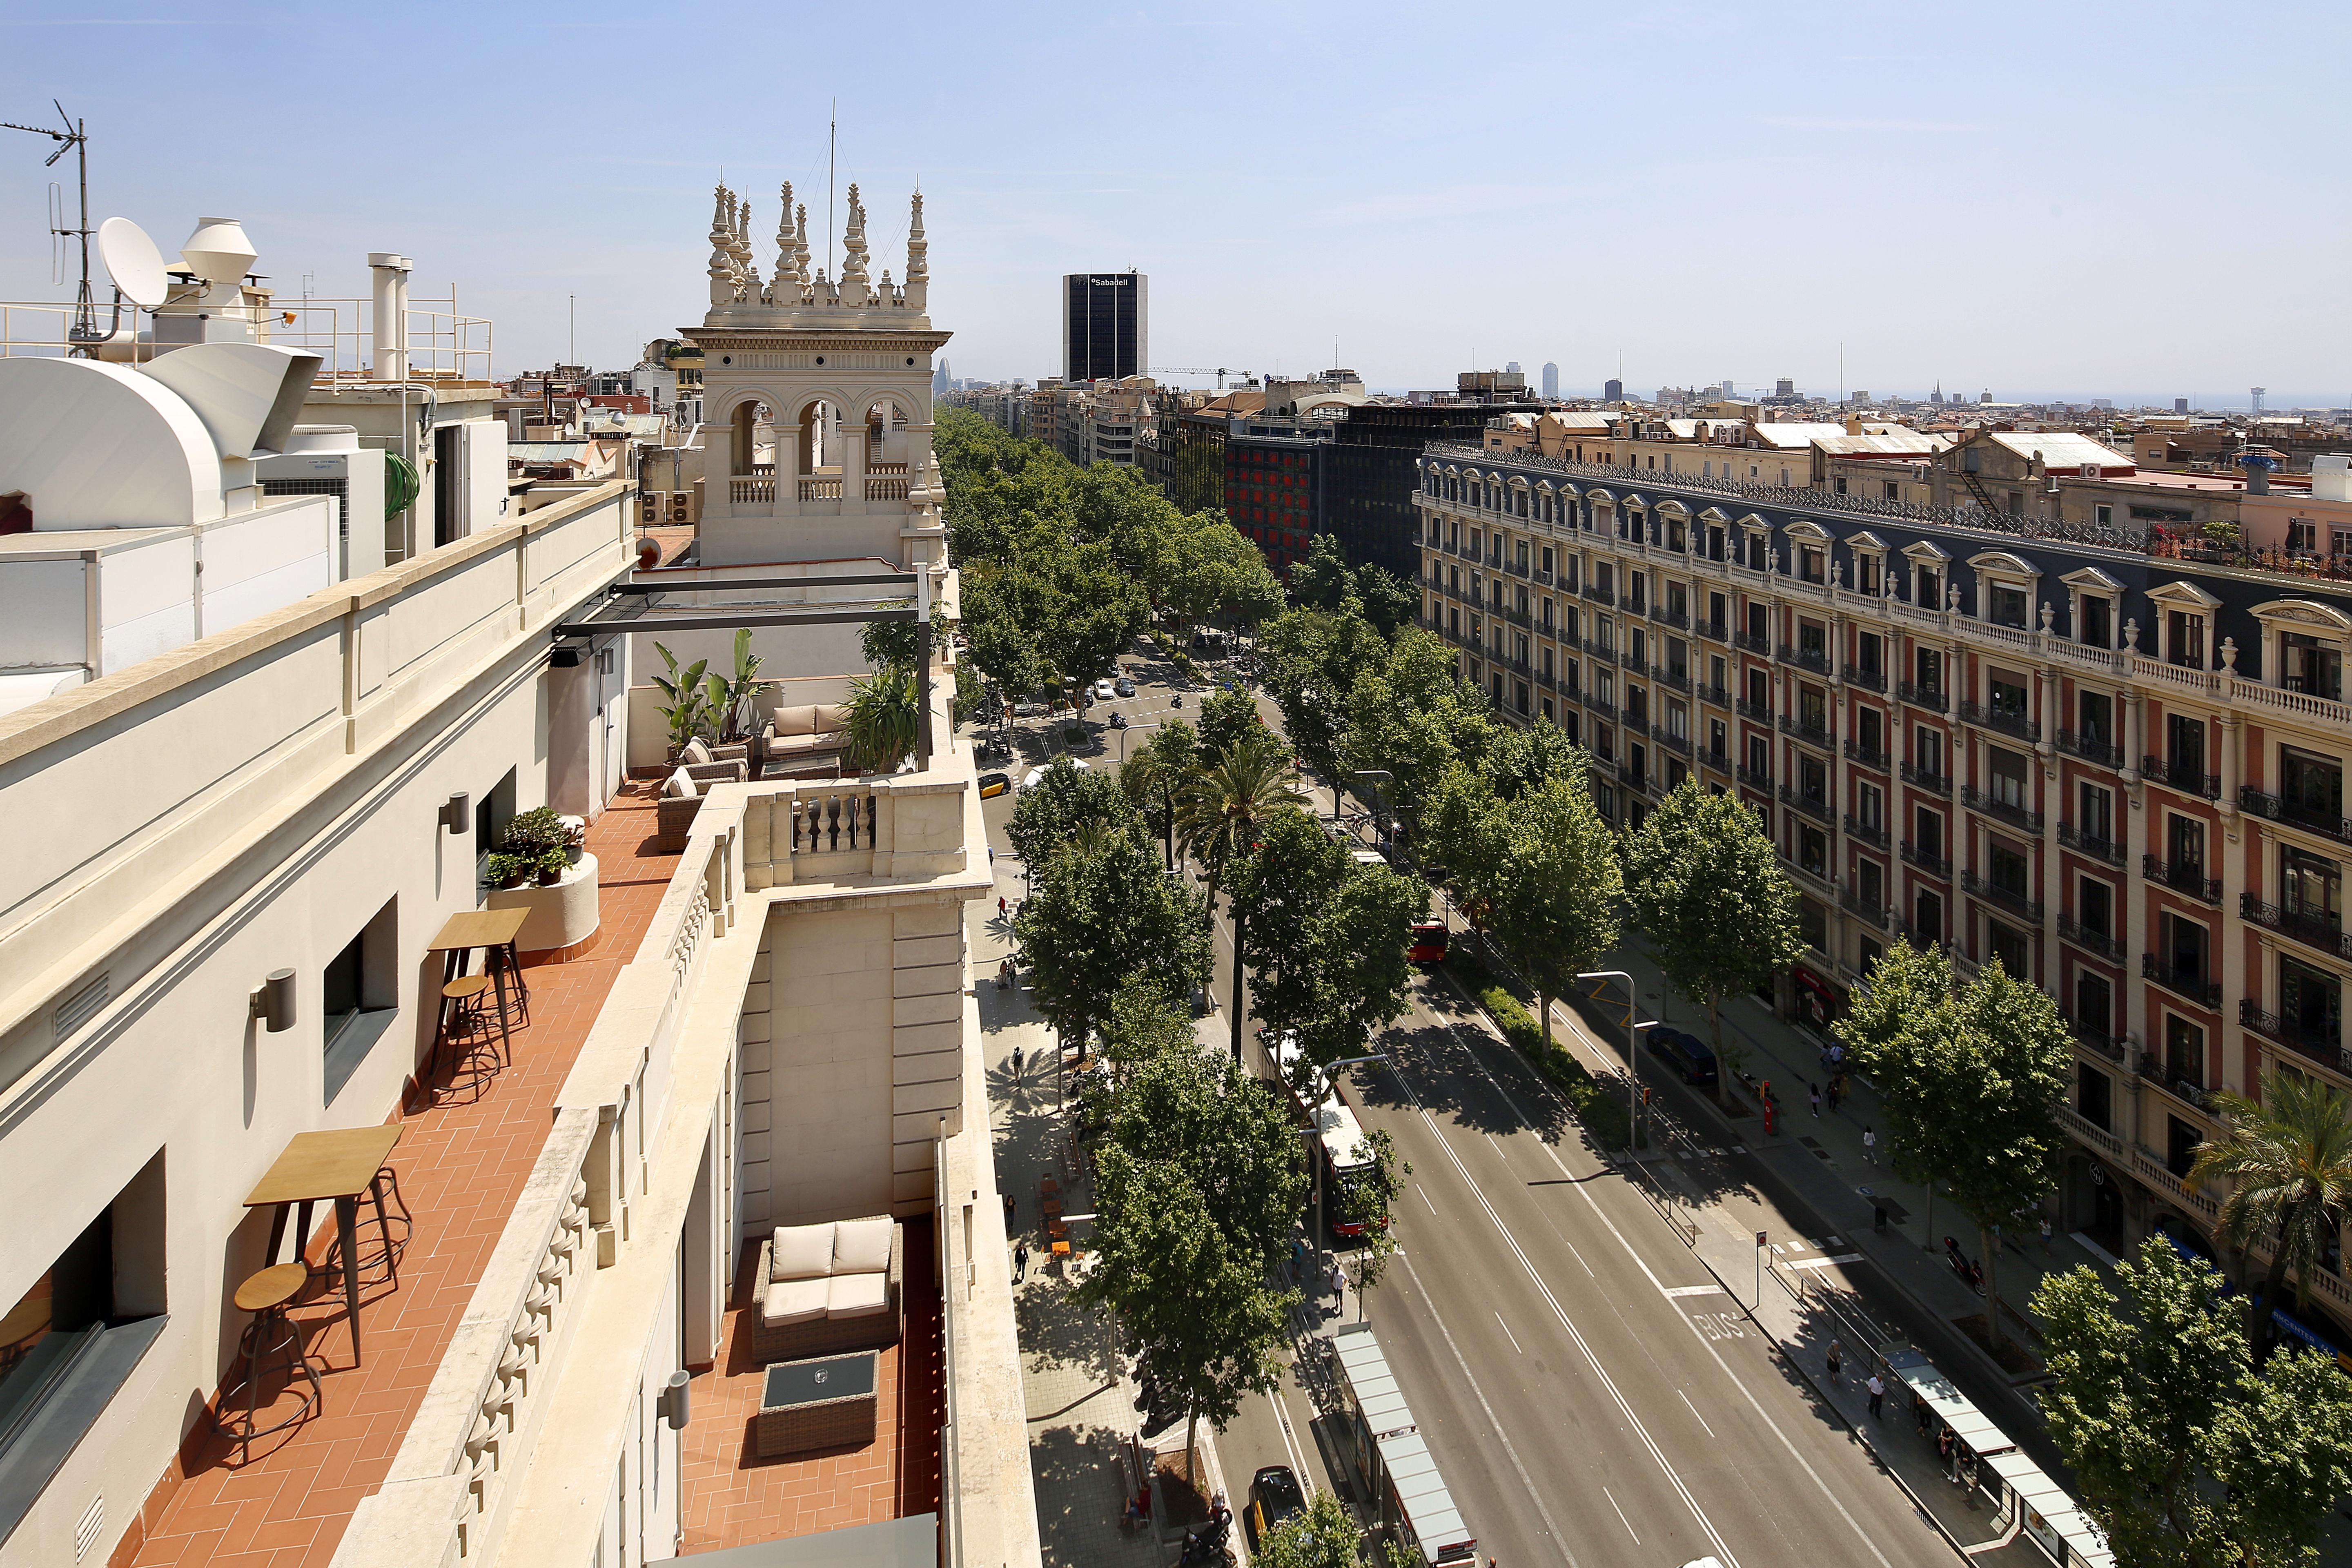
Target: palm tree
point(1219, 815)
point(2290, 1158)
point(1221, 807)
point(1161, 769)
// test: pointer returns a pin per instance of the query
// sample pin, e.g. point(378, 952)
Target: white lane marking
point(1427, 1199)
point(1493, 1420)
point(1298, 1465)
point(1824, 1262)
point(1696, 1291)
point(1746, 1392)
point(1624, 1405)
point(1695, 1415)
point(1508, 1334)
point(1621, 1514)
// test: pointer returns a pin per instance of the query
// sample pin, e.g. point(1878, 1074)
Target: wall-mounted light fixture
point(273, 1002)
point(457, 812)
point(673, 1400)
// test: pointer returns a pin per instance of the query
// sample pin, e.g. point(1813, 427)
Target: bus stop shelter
point(1393, 1464)
point(2028, 1499)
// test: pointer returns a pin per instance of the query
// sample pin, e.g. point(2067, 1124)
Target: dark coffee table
point(826, 1402)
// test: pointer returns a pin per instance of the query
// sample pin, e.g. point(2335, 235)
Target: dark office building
point(1277, 485)
point(1105, 334)
point(1371, 476)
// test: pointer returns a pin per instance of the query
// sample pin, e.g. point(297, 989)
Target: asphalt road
point(1591, 1394)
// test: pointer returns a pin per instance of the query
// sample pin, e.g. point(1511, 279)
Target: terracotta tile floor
point(461, 1166)
point(733, 1497)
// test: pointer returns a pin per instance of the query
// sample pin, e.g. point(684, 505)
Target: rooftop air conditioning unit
point(2090, 471)
point(328, 459)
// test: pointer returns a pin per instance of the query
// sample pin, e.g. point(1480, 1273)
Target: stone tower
point(817, 400)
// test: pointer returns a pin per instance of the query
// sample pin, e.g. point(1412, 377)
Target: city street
point(1591, 1392)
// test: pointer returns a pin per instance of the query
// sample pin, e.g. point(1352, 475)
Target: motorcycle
point(1972, 1273)
point(1118, 720)
point(1208, 1543)
point(1177, 701)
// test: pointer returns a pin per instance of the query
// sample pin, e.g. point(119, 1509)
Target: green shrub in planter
point(503, 869)
point(534, 833)
point(1602, 1114)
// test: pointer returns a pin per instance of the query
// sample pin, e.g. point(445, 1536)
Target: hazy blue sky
point(2059, 199)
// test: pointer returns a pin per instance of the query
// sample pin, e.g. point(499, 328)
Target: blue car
point(1687, 1053)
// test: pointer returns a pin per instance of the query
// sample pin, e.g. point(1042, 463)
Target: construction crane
point(1220, 372)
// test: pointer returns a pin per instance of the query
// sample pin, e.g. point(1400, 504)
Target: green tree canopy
point(1156, 775)
point(1971, 1085)
point(1229, 719)
point(1311, 659)
point(1705, 887)
point(2189, 1455)
point(1552, 884)
point(1096, 921)
point(1049, 818)
point(2288, 1161)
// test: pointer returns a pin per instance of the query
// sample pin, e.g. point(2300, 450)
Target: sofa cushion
point(856, 1295)
point(801, 720)
point(801, 1252)
point(682, 786)
point(832, 716)
point(793, 1301)
point(862, 1247)
point(697, 752)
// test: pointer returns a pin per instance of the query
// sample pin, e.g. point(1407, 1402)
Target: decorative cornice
point(815, 339)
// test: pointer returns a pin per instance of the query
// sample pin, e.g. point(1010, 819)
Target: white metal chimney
point(391, 314)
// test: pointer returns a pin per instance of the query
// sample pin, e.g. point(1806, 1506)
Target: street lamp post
point(1376, 799)
point(1633, 1033)
point(1166, 793)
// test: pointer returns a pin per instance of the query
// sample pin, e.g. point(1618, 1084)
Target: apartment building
point(256, 860)
point(2120, 772)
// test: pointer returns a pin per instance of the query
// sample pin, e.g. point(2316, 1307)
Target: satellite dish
point(133, 261)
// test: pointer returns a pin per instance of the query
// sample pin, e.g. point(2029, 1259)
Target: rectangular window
point(1870, 730)
point(1812, 852)
point(109, 1277)
point(2312, 785)
point(2185, 844)
point(2008, 696)
point(1870, 884)
point(1865, 576)
point(1927, 915)
point(2097, 629)
point(2097, 716)
point(2005, 773)
point(2184, 1049)
point(2185, 639)
point(2005, 606)
point(491, 815)
point(2311, 667)
point(2005, 866)
point(2186, 732)
point(2095, 1004)
point(1931, 833)
point(2095, 906)
point(2098, 807)
point(2311, 887)
point(1869, 806)
point(1869, 654)
point(2007, 943)
point(1927, 590)
point(1930, 668)
point(1928, 751)
point(2094, 1090)
point(2311, 1004)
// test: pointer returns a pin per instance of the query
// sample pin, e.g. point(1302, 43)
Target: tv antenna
point(73, 137)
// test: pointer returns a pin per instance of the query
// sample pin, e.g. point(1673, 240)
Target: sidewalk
point(1079, 1403)
point(1824, 1159)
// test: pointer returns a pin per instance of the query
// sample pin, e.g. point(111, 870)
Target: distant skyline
point(1943, 202)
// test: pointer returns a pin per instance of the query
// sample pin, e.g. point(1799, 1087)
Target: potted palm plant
point(686, 700)
point(883, 720)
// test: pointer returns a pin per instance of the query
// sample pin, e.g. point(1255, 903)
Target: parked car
point(1273, 1496)
point(1688, 1054)
point(1036, 775)
point(1124, 686)
point(994, 784)
point(1104, 691)
point(1029, 709)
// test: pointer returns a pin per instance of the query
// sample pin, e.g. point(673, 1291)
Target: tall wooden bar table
point(328, 1167)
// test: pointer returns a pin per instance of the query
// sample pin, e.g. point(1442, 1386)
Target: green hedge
point(1603, 1114)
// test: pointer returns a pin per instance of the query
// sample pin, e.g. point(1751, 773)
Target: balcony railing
point(2089, 940)
point(1756, 778)
point(1600, 596)
point(1678, 619)
point(2278, 809)
point(1874, 913)
point(1760, 711)
point(1874, 677)
point(2092, 1133)
point(2108, 1045)
point(1634, 664)
point(1669, 740)
point(2090, 749)
point(1857, 752)
point(2150, 1167)
point(1920, 778)
point(1871, 834)
point(1811, 659)
point(1675, 676)
point(1812, 806)
point(2183, 777)
point(2173, 1082)
point(2107, 849)
point(1605, 652)
point(1933, 698)
point(2008, 898)
point(2189, 984)
point(1810, 734)
point(2186, 877)
point(1976, 800)
point(1714, 631)
point(1751, 642)
point(2323, 932)
point(2322, 1044)
point(2008, 723)
point(1720, 761)
point(1934, 865)
point(1715, 694)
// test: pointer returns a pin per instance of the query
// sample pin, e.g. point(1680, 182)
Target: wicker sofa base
point(829, 1336)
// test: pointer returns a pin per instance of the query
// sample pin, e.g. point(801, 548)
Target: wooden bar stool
point(270, 1335)
point(467, 1015)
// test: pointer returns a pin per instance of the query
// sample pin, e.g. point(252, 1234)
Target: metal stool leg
point(271, 1332)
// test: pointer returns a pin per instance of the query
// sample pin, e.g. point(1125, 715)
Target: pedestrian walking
point(1877, 1398)
point(1814, 1090)
point(2045, 1234)
point(1869, 1146)
point(1835, 1360)
point(1000, 906)
point(1837, 1092)
point(1016, 1064)
point(1021, 1260)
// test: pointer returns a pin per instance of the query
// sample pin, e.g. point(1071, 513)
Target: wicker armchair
point(828, 1335)
point(675, 815)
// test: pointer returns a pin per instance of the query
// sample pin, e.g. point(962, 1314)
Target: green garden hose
point(401, 485)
